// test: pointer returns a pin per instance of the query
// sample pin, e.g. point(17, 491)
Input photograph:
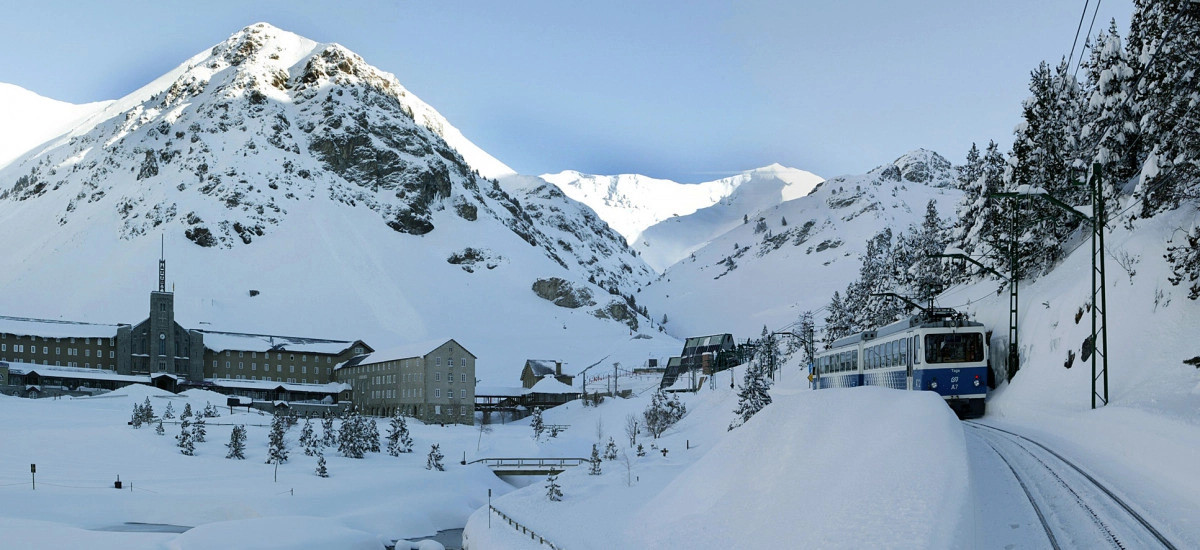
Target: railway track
point(1075, 509)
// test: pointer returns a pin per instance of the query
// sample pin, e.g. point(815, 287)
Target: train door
point(909, 359)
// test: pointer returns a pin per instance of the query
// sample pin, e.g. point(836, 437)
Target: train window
point(964, 347)
point(904, 351)
point(916, 347)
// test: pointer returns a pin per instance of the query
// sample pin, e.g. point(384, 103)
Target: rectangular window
point(303, 358)
point(214, 363)
point(227, 365)
point(278, 368)
point(437, 377)
point(464, 377)
point(3, 347)
point(966, 347)
point(292, 369)
point(437, 392)
point(253, 366)
point(438, 361)
point(111, 354)
point(46, 350)
point(462, 394)
point(303, 369)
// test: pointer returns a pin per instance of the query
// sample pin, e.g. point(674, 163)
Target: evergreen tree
point(371, 433)
point(753, 395)
point(159, 428)
point(328, 433)
point(839, 321)
point(595, 461)
point(783, 221)
point(237, 443)
point(553, 491)
point(929, 276)
point(322, 471)
point(610, 450)
point(169, 413)
point(147, 411)
point(199, 430)
point(277, 451)
point(1111, 133)
point(398, 438)
point(641, 451)
point(1164, 46)
point(434, 460)
point(537, 424)
point(187, 411)
point(352, 437)
point(135, 419)
point(184, 440)
point(972, 170)
point(1184, 259)
point(307, 439)
point(982, 224)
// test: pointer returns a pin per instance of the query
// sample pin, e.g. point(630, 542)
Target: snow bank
point(290, 532)
point(859, 468)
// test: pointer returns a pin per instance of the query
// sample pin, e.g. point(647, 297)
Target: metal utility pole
point(1096, 346)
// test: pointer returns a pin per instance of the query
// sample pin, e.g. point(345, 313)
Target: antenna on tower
point(162, 266)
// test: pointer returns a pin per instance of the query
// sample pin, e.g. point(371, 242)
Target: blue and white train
point(937, 350)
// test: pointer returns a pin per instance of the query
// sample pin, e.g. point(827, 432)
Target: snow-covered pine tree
point(972, 170)
point(1164, 46)
point(371, 433)
point(307, 439)
point(322, 470)
point(753, 395)
point(135, 419)
point(981, 229)
point(537, 424)
point(610, 450)
point(328, 432)
point(159, 428)
point(1111, 133)
point(641, 451)
point(277, 451)
point(352, 437)
point(1044, 148)
point(237, 443)
point(397, 432)
point(929, 275)
point(199, 430)
point(838, 321)
point(1184, 259)
point(147, 411)
point(553, 491)
point(184, 440)
point(434, 460)
point(187, 411)
point(594, 469)
point(169, 412)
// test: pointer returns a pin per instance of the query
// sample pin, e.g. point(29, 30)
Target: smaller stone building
point(432, 382)
point(536, 369)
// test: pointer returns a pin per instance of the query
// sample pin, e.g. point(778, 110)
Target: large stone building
point(434, 382)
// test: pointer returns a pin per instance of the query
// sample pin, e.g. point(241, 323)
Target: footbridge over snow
point(529, 466)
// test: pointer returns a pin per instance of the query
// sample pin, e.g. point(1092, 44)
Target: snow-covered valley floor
point(856, 468)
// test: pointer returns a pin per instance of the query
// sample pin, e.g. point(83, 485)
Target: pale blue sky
point(684, 90)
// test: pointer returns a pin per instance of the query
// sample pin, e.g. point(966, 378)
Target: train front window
point(964, 347)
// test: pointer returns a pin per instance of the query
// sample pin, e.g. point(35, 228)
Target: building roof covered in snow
point(237, 341)
point(550, 385)
point(407, 351)
point(73, 373)
point(50, 328)
point(268, 385)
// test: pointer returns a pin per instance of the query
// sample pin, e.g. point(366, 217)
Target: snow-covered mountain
point(791, 257)
point(632, 202)
point(672, 238)
point(28, 119)
point(275, 163)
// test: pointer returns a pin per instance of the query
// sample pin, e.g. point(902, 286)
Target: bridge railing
point(529, 462)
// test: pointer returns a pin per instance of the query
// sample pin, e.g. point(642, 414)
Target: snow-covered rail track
point(1075, 509)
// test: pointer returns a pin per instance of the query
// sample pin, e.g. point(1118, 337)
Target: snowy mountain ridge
point(802, 250)
point(314, 178)
point(630, 203)
point(28, 119)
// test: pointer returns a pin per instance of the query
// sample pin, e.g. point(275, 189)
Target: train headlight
point(933, 384)
point(976, 380)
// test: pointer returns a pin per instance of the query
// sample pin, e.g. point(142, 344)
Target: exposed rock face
point(563, 293)
point(618, 311)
